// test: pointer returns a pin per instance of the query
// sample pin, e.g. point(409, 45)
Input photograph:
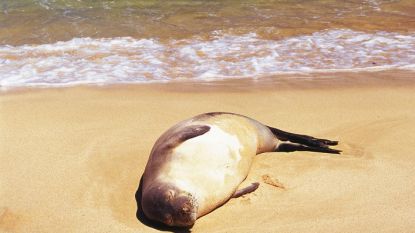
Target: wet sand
point(71, 158)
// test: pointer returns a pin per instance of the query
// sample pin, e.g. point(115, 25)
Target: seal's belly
point(212, 166)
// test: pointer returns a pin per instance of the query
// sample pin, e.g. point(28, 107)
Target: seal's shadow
point(144, 220)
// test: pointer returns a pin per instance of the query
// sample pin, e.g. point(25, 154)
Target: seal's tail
point(299, 142)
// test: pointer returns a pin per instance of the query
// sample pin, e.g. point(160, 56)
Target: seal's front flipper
point(172, 139)
point(245, 190)
point(290, 147)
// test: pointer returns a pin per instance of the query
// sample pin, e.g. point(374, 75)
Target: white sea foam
point(128, 60)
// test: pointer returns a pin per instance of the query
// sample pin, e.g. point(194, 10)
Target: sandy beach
point(71, 158)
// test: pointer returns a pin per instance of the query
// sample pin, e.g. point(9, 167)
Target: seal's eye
point(168, 195)
point(186, 208)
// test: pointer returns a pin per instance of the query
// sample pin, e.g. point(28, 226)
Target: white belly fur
point(214, 159)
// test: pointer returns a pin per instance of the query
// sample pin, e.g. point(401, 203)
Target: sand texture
point(71, 159)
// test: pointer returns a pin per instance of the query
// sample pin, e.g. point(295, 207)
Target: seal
point(198, 164)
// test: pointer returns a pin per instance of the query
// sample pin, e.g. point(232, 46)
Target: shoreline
point(335, 80)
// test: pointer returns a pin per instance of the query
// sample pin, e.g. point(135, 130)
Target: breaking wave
point(221, 56)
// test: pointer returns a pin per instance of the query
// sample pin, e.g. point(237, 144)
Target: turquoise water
point(61, 42)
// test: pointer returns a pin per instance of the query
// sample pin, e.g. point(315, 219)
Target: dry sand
point(71, 159)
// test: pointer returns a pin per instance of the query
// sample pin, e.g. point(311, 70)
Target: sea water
point(51, 43)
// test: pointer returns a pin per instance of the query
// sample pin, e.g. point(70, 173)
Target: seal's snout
point(184, 209)
point(170, 206)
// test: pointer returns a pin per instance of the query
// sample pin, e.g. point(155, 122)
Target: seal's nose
point(168, 219)
point(185, 210)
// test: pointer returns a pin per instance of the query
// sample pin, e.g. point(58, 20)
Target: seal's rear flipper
point(303, 142)
point(245, 190)
point(290, 147)
point(301, 139)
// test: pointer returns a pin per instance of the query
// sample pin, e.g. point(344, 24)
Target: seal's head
point(167, 204)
